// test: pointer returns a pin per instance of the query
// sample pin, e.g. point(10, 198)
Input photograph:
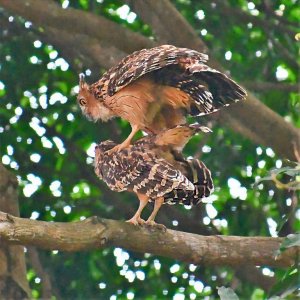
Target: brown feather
point(156, 89)
point(148, 168)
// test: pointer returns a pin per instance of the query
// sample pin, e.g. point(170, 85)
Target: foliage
point(291, 172)
point(227, 294)
point(290, 241)
point(49, 145)
point(289, 283)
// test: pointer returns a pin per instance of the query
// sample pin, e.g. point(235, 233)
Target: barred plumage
point(155, 168)
point(134, 169)
point(155, 89)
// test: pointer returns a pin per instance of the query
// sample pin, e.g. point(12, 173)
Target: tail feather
point(202, 179)
point(200, 176)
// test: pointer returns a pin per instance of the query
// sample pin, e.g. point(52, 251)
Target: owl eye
point(82, 102)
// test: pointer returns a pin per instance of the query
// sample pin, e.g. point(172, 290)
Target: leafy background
point(49, 145)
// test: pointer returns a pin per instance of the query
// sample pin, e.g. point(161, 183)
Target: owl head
point(92, 107)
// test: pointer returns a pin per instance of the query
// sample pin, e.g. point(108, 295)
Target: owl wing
point(157, 177)
point(142, 62)
point(140, 171)
point(208, 89)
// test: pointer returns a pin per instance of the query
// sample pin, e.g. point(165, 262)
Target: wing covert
point(142, 62)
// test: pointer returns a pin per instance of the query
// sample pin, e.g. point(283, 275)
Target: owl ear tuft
point(82, 82)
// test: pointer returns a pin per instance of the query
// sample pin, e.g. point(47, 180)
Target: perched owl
point(154, 169)
point(155, 89)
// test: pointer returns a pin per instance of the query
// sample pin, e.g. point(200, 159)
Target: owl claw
point(136, 221)
point(119, 147)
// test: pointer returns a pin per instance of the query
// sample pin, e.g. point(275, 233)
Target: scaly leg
point(136, 219)
point(157, 205)
point(127, 142)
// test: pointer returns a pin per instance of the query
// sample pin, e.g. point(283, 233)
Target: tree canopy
point(47, 143)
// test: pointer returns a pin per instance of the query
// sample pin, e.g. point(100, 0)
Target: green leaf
point(285, 287)
point(227, 293)
point(290, 241)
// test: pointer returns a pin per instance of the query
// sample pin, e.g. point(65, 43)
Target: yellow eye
point(82, 102)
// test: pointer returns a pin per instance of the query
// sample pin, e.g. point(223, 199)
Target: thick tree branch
point(270, 86)
point(94, 56)
point(97, 233)
point(50, 14)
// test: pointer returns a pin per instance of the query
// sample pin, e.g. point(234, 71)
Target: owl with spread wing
point(156, 89)
point(155, 170)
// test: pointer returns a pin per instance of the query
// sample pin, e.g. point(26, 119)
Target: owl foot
point(119, 147)
point(136, 221)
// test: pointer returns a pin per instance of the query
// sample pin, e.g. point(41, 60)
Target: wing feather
point(136, 170)
point(208, 88)
point(142, 62)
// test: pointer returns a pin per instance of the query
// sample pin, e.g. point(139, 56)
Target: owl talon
point(118, 148)
point(136, 221)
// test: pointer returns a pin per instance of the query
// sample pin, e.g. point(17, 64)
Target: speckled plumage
point(154, 167)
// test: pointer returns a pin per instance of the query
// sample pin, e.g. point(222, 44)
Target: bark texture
point(13, 282)
point(98, 233)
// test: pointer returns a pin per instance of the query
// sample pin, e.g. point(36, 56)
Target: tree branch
point(50, 14)
point(269, 86)
point(272, 28)
point(97, 233)
point(94, 56)
point(268, 23)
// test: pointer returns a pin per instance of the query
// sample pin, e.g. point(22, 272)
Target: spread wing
point(208, 89)
point(142, 62)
